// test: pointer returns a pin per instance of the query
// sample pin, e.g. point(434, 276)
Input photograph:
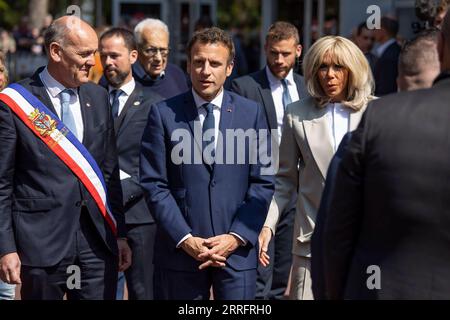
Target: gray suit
point(272, 280)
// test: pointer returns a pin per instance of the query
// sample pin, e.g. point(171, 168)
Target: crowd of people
point(90, 173)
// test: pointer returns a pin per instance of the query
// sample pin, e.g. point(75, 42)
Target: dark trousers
point(271, 281)
point(139, 276)
point(97, 266)
point(226, 284)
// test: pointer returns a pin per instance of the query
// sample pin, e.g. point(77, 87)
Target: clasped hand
point(213, 252)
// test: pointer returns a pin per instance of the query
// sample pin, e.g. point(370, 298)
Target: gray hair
point(56, 32)
point(149, 23)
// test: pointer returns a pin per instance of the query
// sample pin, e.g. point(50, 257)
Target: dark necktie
point(286, 96)
point(115, 105)
point(67, 116)
point(208, 124)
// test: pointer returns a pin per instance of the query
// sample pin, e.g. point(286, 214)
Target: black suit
point(129, 127)
point(386, 70)
point(45, 211)
point(272, 280)
point(317, 273)
point(391, 201)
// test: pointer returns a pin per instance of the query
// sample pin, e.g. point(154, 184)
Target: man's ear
point(133, 56)
point(229, 69)
point(298, 51)
point(55, 52)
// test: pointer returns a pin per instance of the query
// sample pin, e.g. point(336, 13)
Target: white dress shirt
point(54, 88)
point(217, 102)
point(127, 90)
point(277, 95)
point(338, 122)
point(382, 47)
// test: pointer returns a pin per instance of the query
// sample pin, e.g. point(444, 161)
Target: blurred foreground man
point(386, 232)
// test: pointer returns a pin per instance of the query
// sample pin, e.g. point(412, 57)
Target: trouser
point(139, 276)
point(87, 271)
point(301, 284)
point(271, 281)
point(226, 284)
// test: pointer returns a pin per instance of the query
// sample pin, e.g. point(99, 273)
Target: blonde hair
point(360, 83)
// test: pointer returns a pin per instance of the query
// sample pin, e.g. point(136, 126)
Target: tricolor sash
point(46, 126)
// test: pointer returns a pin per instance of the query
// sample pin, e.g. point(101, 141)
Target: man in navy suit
point(130, 107)
point(209, 207)
point(52, 225)
point(385, 71)
point(275, 86)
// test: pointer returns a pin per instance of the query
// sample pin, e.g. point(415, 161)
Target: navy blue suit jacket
point(385, 71)
point(197, 198)
point(129, 127)
point(40, 197)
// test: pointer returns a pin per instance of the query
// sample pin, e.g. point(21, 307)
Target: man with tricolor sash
point(61, 221)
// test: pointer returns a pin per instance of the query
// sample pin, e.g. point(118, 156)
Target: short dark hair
point(419, 52)
point(126, 35)
point(390, 25)
point(361, 26)
point(282, 30)
point(212, 35)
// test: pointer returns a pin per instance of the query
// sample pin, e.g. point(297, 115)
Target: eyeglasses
point(153, 51)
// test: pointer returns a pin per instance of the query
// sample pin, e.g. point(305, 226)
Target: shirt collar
point(275, 81)
point(382, 48)
point(127, 88)
point(53, 86)
point(199, 101)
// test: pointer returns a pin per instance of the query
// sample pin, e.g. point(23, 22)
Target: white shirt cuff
point(184, 238)
point(244, 242)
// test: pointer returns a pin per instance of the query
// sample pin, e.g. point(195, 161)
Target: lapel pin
point(88, 104)
point(229, 109)
point(136, 103)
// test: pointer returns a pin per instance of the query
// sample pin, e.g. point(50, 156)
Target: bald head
point(65, 28)
point(70, 44)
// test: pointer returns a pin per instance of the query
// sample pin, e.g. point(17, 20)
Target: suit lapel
point(130, 107)
point(85, 106)
point(318, 137)
point(301, 89)
point(266, 95)
point(191, 114)
point(227, 112)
